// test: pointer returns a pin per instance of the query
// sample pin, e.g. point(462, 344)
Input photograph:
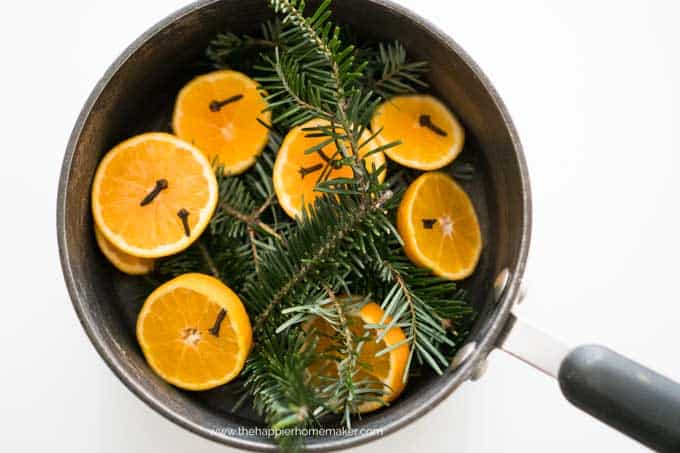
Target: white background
point(594, 88)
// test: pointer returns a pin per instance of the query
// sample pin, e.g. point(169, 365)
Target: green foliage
point(345, 243)
point(220, 256)
point(422, 305)
point(340, 383)
point(231, 51)
point(321, 248)
point(389, 72)
point(277, 378)
point(300, 276)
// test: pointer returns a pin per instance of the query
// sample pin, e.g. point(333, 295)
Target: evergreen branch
point(227, 258)
point(316, 77)
point(423, 305)
point(345, 384)
point(342, 238)
point(251, 220)
point(321, 230)
point(298, 88)
point(348, 389)
point(228, 50)
point(236, 210)
point(347, 361)
point(276, 376)
point(289, 278)
point(390, 73)
point(410, 303)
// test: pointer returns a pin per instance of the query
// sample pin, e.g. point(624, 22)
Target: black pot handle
point(618, 391)
point(623, 394)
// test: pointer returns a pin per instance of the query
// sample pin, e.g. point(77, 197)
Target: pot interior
point(137, 95)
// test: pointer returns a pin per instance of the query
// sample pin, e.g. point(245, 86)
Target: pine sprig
point(291, 275)
point(424, 306)
point(316, 75)
point(344, 383)
point(237, 211)
point(277, 377)
point(294, 271)
point(311, 249)
point(389, 72)
point(220, 256)
point(231, 51)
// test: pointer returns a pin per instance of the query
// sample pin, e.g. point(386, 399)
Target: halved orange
point(431, 136)
point(153, 195)
point(194, 332)
point(218, 113)
point(124, 262)
point(296, 173)
point(387, 369)
point(439, 226)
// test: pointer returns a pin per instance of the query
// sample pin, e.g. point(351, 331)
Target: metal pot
point(137, 94)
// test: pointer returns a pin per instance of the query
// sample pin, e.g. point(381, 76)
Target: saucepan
point(136, 95)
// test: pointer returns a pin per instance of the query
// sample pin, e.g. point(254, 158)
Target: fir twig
point(297, 270)
point(229, 50)
point(390, 73)
point(422, 304)
point(326, 215)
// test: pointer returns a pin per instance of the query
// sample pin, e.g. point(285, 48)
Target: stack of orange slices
point(153, 195)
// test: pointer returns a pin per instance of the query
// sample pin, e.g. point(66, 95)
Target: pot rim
point(490, 331)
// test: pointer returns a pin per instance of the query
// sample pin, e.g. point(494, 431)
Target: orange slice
point(194, 332)
point(218, 113)
point(431, 136)
point(125, 263)
point(296, 173)
point(387, 368)
point(439, 227)
point(153, 195)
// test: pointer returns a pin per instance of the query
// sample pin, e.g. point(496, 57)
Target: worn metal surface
point(137, 93)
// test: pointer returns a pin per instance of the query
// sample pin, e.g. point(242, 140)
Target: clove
point(429, 223)
point(426, 121)
point(215, 329)
point(184, 215)
point(216, 106)
point(304, 171)
point(160, 185)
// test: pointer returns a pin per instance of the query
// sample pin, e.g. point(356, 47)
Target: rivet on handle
point(480, 370)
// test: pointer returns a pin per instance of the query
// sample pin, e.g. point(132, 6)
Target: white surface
point(593, 89)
